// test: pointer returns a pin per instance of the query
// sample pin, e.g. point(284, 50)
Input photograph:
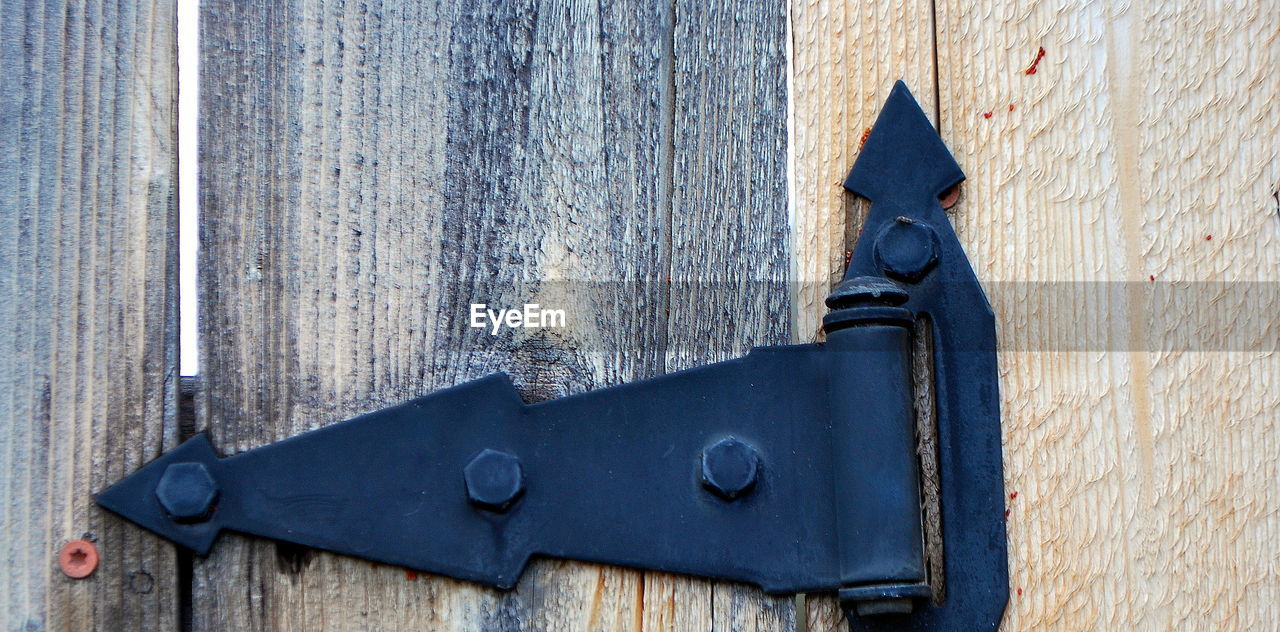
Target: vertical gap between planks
point(801, 610)
point(666, 175)
point(185, 564)
point(926, 403)
point(188, 44)
point(187, 41)
point(937, 83)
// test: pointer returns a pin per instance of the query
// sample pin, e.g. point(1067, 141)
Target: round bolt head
point(729, 468)
point(187, 492)
point(907, 249)
point(495, 480)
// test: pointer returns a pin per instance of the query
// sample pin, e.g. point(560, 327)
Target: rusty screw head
point(729, 468)
point(78, 559)
point(187, 492)
point(907, 249)
point(495, 480)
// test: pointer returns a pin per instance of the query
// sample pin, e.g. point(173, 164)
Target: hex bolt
point(729, 468)
point(187, 492)
point(907, 249)
point(495, 480)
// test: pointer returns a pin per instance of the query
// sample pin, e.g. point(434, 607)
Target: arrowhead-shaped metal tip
point(903, 157)
point(134, 497)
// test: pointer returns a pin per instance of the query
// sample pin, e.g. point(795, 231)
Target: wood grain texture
point(845, 57)
point(729, 235)
point(1122, 211)
point(370, 171)
point(1114, 214)
point(88, 367)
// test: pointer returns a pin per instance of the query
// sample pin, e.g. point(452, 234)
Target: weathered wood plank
point(845, 59)
point(369, 172)
point(88, 371)
point(1140, 417)
point(730, 231)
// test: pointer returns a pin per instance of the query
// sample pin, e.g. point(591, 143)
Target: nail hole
point(950, 196)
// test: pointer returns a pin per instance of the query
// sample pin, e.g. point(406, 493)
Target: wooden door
point(671, 174)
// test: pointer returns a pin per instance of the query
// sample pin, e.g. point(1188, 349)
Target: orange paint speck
point(865, 133)
point(986, 115)
point(1035, 64)
point(1019, 592)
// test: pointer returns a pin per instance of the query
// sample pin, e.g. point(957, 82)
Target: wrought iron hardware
point(793, 468)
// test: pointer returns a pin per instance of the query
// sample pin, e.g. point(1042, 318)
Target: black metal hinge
point(794, 468)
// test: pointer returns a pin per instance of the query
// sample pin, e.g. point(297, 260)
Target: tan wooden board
point(845, 58)
point(1122, 215)
point(88, 354)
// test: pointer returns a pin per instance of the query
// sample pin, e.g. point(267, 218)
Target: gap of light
point(188, 192)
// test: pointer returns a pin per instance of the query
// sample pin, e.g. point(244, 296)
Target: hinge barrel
point(874, 460)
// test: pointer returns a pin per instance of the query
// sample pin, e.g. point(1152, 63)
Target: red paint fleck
point(1013, 495)
point(1035, 64)
point(865, 133)
point(373, 565)
point(848, 256)
point(1019, 592)
point(1010, 107)
point(1152, 277)
point(986, 115)
point(1208, 237)
point(1006, 514)
point(410, 575)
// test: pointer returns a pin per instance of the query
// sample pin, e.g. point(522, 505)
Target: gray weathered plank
point(730, 230)
point(88, 353)
point(369, 171)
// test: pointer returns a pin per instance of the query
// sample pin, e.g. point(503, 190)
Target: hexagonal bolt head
point(907, 249)
point(495, 480)
point(730, 468)
point(187, 492)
